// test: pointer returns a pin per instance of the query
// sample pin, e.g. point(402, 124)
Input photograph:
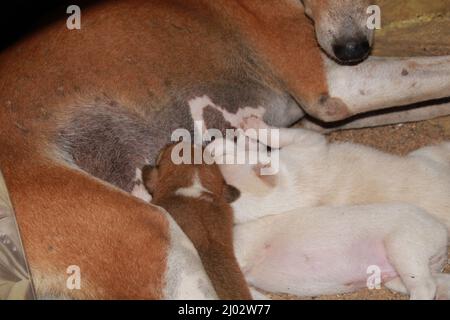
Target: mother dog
point(81, 110)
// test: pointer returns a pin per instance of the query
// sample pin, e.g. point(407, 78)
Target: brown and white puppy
point(198, 198)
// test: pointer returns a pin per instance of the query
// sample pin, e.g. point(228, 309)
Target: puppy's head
point(168, 176)
point(341, 28)
point(247, 177)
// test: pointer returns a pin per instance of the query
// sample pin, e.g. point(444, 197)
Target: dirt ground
point(410, 27)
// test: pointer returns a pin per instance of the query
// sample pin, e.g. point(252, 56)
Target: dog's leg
point(396, 285)
point(380, 83)
point(442, 280)
point(443, 286)
point(413, 113)
point(285, 136)
point(121, 245)
point(412, 264)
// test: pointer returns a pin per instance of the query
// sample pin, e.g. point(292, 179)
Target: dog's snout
point(354, 50)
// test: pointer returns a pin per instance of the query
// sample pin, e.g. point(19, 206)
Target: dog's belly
point(316, 267)
point(111, 141)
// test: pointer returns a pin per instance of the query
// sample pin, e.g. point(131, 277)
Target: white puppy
point(313, 172)
point(330, 250)
point(308, 252)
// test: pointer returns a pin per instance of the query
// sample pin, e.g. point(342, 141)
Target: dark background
point(20, 17)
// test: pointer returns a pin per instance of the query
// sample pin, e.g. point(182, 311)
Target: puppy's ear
point(159, 158)
point(270, 180)
point(230, 193)
point(150, 178)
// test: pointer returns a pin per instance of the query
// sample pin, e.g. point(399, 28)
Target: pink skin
point(317, 251)
point(318, 262)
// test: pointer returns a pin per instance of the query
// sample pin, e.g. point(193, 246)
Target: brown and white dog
point(81, 110)
point(198, 198)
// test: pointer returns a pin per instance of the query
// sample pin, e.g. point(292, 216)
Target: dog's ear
point(150, 178)
point(230, 193)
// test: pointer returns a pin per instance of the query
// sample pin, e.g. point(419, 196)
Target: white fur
point(139, 191)
point(195, 190)
point(316, 173)
point(285, 246)
point(198, 104)
point(308, 252)
point(379, 83)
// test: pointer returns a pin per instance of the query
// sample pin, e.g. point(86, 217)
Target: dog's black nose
point(352, 50)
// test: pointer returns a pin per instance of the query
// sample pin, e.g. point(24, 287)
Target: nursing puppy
point(309, 252)
point(329, 250)
point(198, 198)
point(313, 172)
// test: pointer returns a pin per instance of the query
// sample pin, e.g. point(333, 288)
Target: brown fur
point(119, 244)
point(207, 220)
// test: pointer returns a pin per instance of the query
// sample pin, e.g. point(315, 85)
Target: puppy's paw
point(443, 286)
point(443, 292)
point(329, 109)
point(258, 295)
point(253, 122)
